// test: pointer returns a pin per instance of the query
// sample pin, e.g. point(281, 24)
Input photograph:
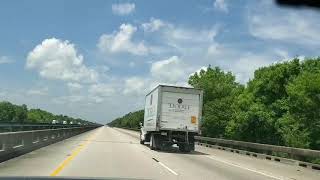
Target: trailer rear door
point(180, 111)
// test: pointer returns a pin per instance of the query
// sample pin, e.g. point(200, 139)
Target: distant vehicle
point(64, 122)
point(54, 121)
point(172, 116)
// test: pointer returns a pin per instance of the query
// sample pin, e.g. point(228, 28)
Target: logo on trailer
point(179, 107)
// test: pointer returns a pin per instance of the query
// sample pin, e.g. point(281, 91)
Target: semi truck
point(172, 115)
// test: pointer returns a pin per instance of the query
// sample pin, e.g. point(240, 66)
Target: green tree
point(7, 111)
point(220, 90)
point(304, 105)
point(21, 113)
point(130, 120)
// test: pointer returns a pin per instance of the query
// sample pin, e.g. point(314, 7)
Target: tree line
point(130, 120)
point(280, 105)
point(11, 113)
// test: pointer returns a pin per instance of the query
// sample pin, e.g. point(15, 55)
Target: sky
point(97, 59)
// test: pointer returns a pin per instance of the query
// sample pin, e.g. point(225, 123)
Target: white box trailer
point(172, 115)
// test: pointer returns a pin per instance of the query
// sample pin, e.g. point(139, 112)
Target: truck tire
point(155, 142)
point(184, 148)
point(141, 142)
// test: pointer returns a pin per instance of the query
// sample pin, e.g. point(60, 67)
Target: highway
point(110, 152)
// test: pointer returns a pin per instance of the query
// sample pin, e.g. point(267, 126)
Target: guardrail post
point(6, 142)
point(27, 139)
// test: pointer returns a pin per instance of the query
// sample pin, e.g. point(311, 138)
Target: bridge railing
point(267, 148)
point(16, 143)
point(267, 151)
point(15, 126)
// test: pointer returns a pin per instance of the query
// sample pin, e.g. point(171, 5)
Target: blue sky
point(97, 59)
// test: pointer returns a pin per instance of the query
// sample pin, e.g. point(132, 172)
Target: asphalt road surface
point(110, 152)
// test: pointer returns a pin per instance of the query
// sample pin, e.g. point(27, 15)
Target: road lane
point(115, 152)
point(232, 164)
point(43, 161)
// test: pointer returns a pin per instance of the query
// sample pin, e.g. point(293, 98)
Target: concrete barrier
point(13, 144)
point(263, 151)
point(261, 147)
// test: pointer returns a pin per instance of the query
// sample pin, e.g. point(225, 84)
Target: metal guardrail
point(291, 151)
point(16, 143)
point(13, 127)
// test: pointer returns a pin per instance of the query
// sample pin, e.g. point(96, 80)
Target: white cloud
point(73, 86)
point(101, 90)
point(245, 66)
point(199, 70)
point(298, 27)
point(38, 92)
point(134, 85)
point(189, 41)
point(174, 33)
point(123, 9)
point(69, 99)
point(3, 94)
point(214, 49)
point(57, 59)
point(5, 60)
point(283, 54)
point(121, 41)
point(102, 68)
point(221, 5)
point(153, 25)
point(170, 70)
point(132, 64)
point(189, 35)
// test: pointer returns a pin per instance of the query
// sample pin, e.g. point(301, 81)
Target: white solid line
point(252, 170)
point(168, 168)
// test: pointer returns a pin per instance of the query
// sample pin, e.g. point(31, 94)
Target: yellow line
point(74, 153)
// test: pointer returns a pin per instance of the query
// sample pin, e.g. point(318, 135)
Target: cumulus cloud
point(190, 35)
point(245, 66)
point(101, 90)
point(180, 34)
point(153, 25)
point(73, 86)
point(204, 68)
point(69, 99)
point(170, 70)
point(121, 41)
point(57, 59)
point(299, 27)
point(39, 92)
point(5, 60)
point(123, 9)
point(221, 5)
point(134, 85)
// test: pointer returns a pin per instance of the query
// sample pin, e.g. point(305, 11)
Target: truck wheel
point(184, 148)
point(155, 142)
